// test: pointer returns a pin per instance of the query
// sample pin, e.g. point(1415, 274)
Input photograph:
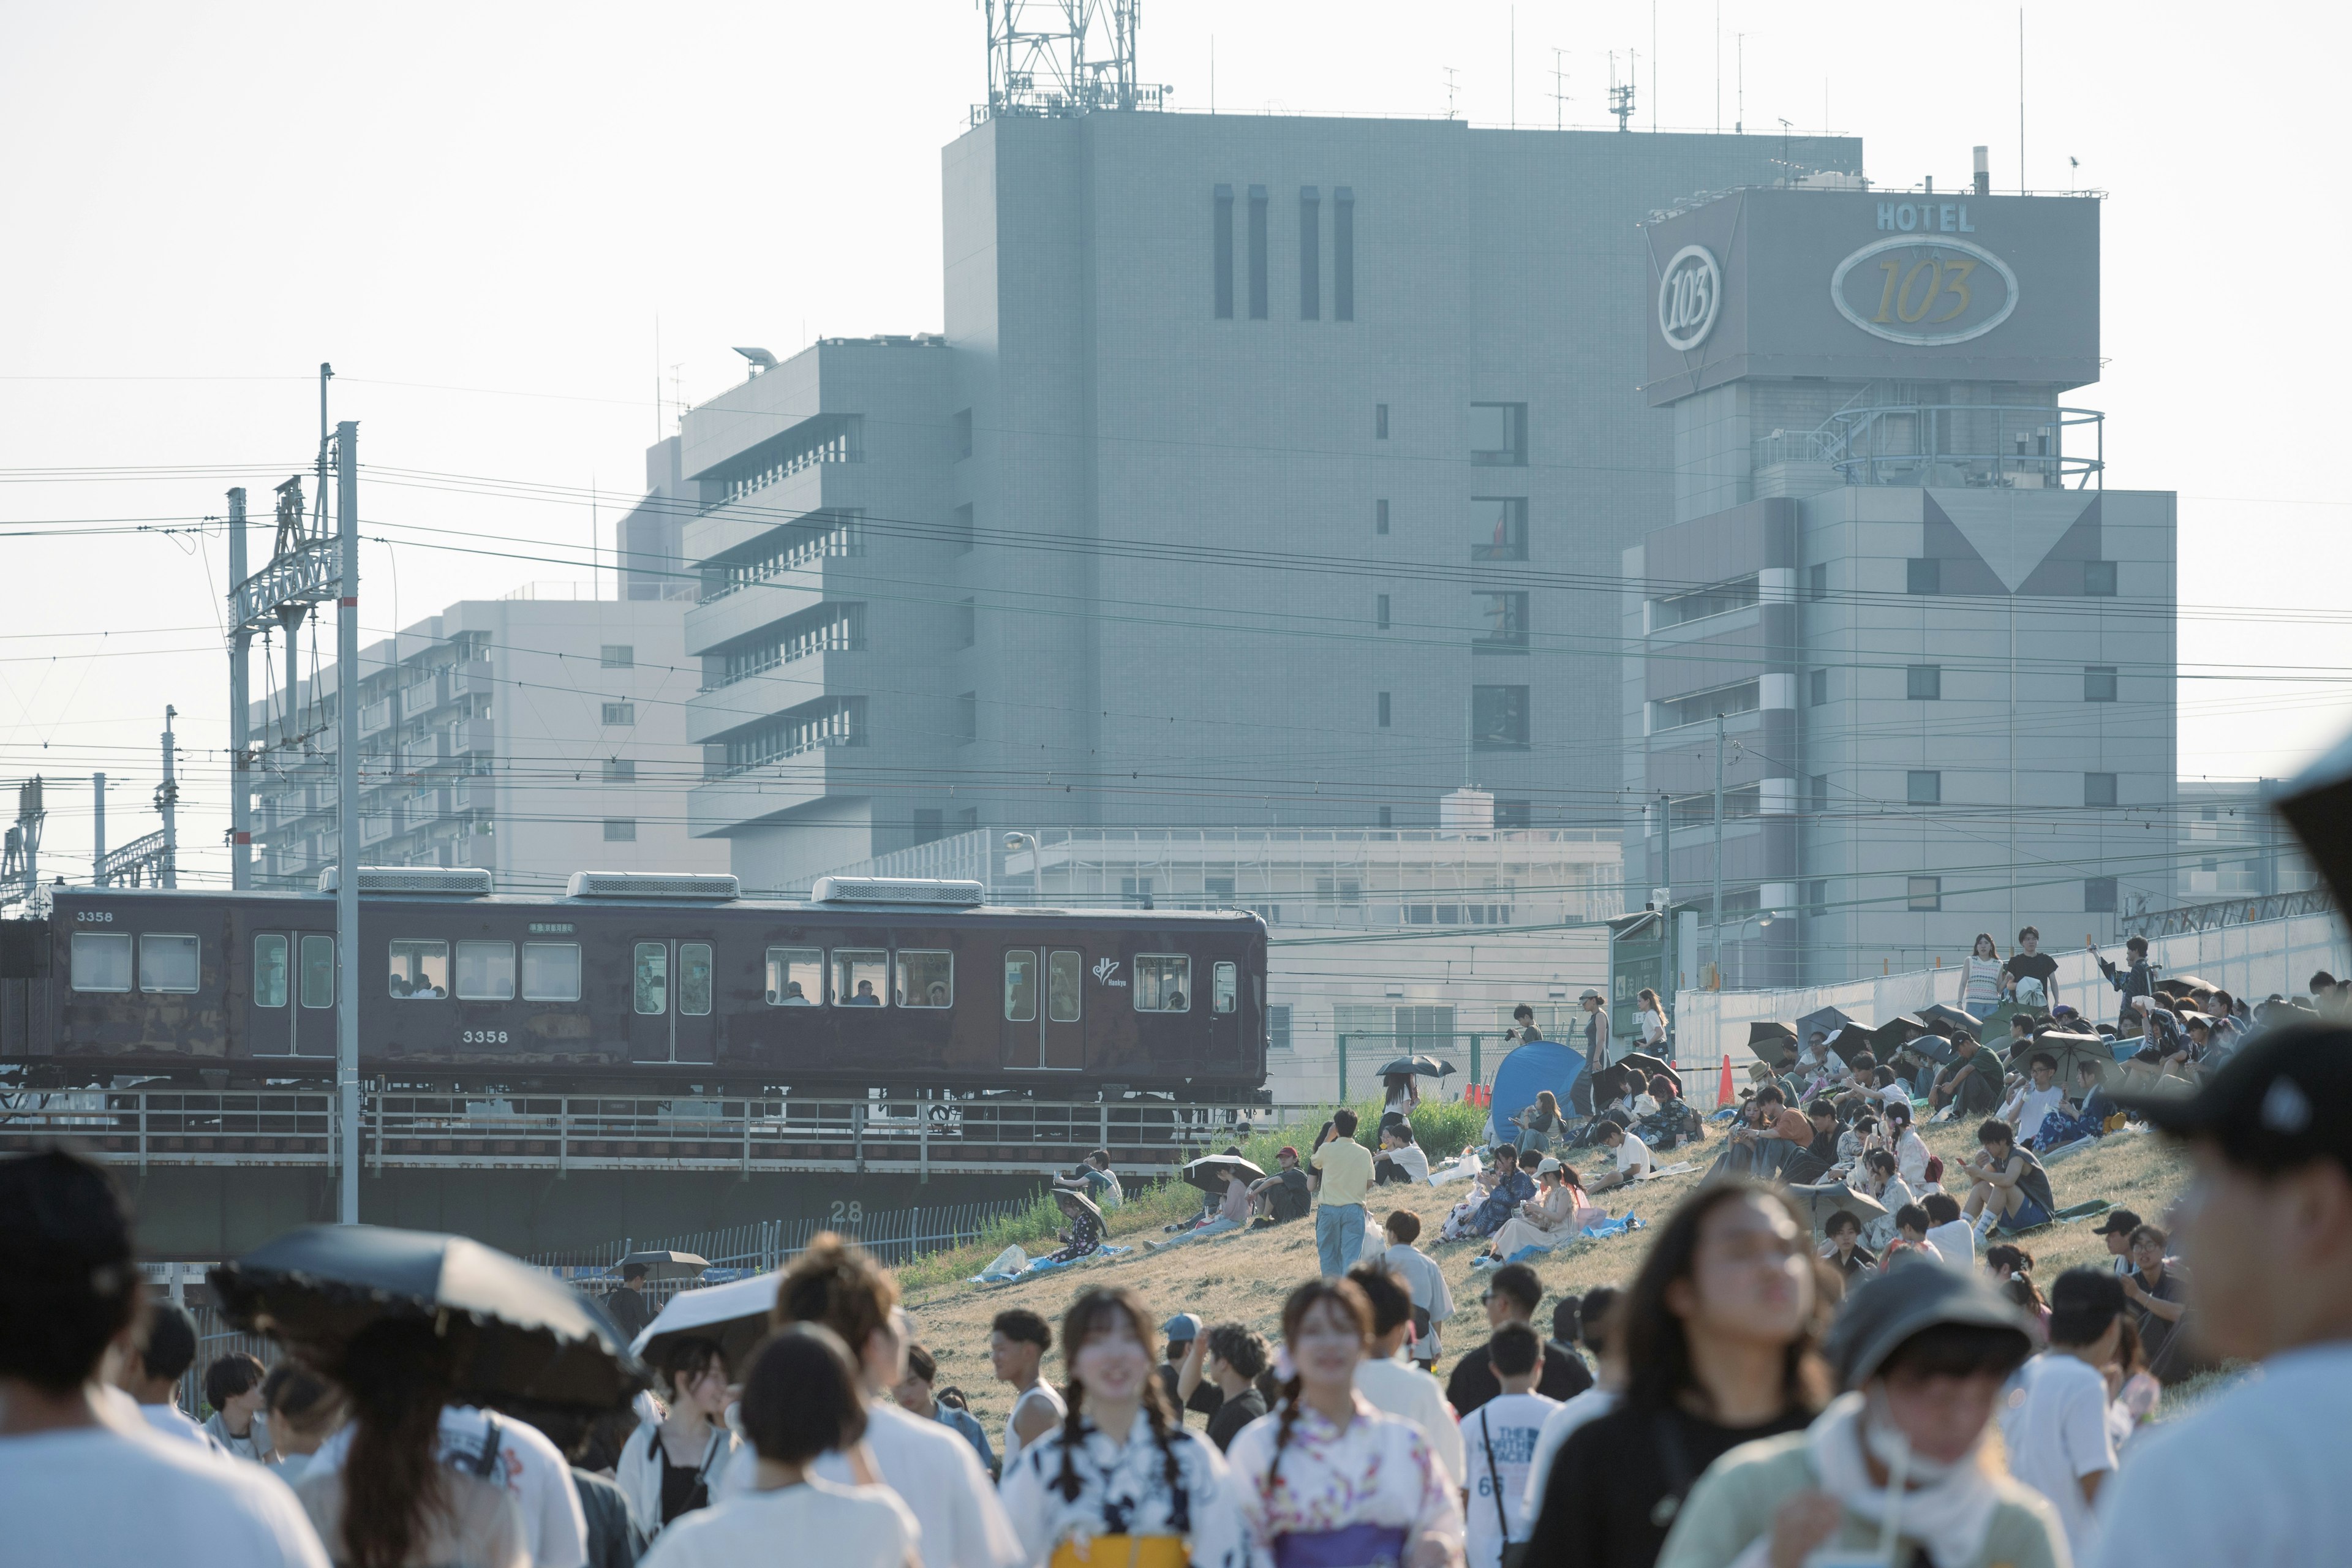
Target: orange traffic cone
point(1723, 1090)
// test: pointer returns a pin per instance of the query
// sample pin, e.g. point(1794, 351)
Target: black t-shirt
point(2032, 966)
point(1205, 1398)
point(627, 1308)
point(1601, 1506)
point(1474, 1381)
point(684, 1487)
point(1824, 1146)
point(1233, 1416)
point(1290, 1197)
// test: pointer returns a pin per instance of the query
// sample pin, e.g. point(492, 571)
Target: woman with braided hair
point(1328, 1481)
point(1120, 1482)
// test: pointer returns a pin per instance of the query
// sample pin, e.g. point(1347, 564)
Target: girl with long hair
point(1121, 1482)
point(673, 1466)
point(1550, 1218)
point(1981, 987)
point(392, 1503)
point(1328, 1481)
point(1716, 1333)
point(1539, 1123)
point(1650, 1018)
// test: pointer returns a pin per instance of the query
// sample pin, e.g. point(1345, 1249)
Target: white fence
point(2250, 962)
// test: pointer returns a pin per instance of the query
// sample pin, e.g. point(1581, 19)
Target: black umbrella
point(1209, 1171)
point(517, 1333)
point(1827, 1020)
point(2068, 1052)
point(665, 1267)
point(1419, 1067)
point(1824, 1201)
point(1651, 1066)
point(1952, 1015)
point(1775, 1044)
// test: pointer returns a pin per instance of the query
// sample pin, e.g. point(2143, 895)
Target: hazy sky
point(483, 215)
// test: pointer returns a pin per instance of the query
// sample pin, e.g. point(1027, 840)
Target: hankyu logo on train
point(1924, 292)
point(1107, 971)
point(1690, 296)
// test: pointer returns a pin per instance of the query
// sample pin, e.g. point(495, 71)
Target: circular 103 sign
point(1690, 296)
point(1924, 292)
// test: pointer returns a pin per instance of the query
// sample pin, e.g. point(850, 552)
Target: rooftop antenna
point(1450, 75)
point(1740, 66)
point(1718, 67)
point(1559, 81)
point(2073, 164)
point(1514, 72)
point(2021, 100)
point(1654, 67)
point(1048, 58)
point(1621, 96)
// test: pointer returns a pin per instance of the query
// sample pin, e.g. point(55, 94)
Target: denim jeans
point(1339, 1237)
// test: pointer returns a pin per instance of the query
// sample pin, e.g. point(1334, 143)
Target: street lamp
point(1762, 921)
point(1037, 863)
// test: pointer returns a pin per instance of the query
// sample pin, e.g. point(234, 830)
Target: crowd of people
point(1759, 1391)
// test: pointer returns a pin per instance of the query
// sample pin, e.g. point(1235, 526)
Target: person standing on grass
point(1228, 1358)
point(1513, 1293)
point(1346, 1169)
point(1395, 1384)
point(1498, 1440)
point(2256, 1474)
point(1018, 1342)
point(916, 1396)
point(1718, 1339)
point(2029, 962)
point(1432, 1299)
point(2056, 1424)
point(1596, 1331)
point(1980, 984)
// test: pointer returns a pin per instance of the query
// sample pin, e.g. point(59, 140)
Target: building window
point(1343, 254)
point(620, 830)
point(1499, 716)
point(929, 825)
point(1379, 517)
point(2098, 683)
point(1923, 682)
point(1310, 254)
point(620, 770)
point(967, 717)
point(1379, 421)
point(1388, 817)
point(1277, 1025)
point(1817, 794)
point(1817, 582)
point(2099, 579)
point(620, 713)
point(1384, 710)
point(1925, 576)
point(1515, 814)
point(962, 434)
point(1926, 894)
point(1498, 528)
point(968, 819)
point(1220, 889)
point(1381, 611)
point(2098, 789)
point(2098, 895)
point(1257, 252)
point(1817, 895)
point(1817, 685)
point(1498, 435)
point(1923, 786)
point(617, 655)
point(959, 529)
point(1221, 250)
point(966, 623)
point(1698, 707)
point(1715, 599)
point(1503, 623)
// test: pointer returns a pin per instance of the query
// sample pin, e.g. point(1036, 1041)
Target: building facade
point(1216, 395)
point(529, 737)
point(1899, 649)
point(2234, 845)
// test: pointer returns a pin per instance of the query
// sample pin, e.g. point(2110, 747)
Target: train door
point(670, 989)
point(1225, 1012)
point(649, 1001)
point(1044, 1006)
point(290, 1000)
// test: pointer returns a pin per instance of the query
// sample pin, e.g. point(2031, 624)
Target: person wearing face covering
point(1895, 1468)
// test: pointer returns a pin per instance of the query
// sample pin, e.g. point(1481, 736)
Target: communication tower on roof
point(1053, 57)
point(1621, 95)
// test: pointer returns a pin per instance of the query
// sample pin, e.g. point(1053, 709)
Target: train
point(638, 981)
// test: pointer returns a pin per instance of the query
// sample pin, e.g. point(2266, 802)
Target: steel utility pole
point(1715, 907)
point(1672, 977)
point(240, 735)
point(98, 830)
point(347, 810)
point(167, 801)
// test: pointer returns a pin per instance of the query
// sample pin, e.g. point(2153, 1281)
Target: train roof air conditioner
point(931, 890)
point(458, 881)
point(652, 885)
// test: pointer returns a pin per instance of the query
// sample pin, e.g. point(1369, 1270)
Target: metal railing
point(2226, 912)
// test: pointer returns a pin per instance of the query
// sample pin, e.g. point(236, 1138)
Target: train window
point(1064, 984)
point(1020, 986)
point(694, 978)
point(1228, 980)
point(486, 972)
point(859, 976)
point(1163, 983)
point(551, 972)
point(926, 979)
point(269, 971)
point(653, 978)
point(420, 970)
point(101, 961)
point(317, 972)
point(168, 963)
point(795, 976)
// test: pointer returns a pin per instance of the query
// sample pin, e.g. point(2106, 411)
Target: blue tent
point(1536, 1065)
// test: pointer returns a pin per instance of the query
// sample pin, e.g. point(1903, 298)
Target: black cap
point(2120, 1222)
point(1879, 1316)
point(2276, 1105)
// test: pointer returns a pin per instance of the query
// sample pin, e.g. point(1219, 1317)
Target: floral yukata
point(1123, 1491)
point(1377, 1472)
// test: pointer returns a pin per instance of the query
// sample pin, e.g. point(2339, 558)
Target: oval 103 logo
point(1690, 296)
point(1924, 292)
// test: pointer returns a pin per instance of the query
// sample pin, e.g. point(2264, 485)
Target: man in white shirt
point(2055, 1421)
point(82, 1485)
point(1633, 1158)
point(2036, 1099)
point(1498, 1442)
point(1954, 1239)
point(1391, 1384)
point(151, 1370)
point(2256, 1475)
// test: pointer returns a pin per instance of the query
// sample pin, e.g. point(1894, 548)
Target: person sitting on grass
point(1631, 1154)
point(2008, 1184)
point(2035, 1096)
point(1283, 1195)
point(1546, 1220)
point(2097, 1107)
point(1845, 1252)
point(1512, 1188)
point(1400, 1158)
point(1676, 1122)
point(1911, 1228)
point(1973, 1081)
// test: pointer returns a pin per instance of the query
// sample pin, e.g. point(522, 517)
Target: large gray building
point(1269, 472)
point(1895, 609)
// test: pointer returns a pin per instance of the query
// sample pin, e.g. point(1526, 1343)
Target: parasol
point(1651, 1066)
point(735, 1315)
point(1822, 1201)
point(665, 1267)
point(1076, 1204)
point(1211, 1172)
point(1774, 1044)
point(2070, 1051)
point(1419, 1067)
point(1958, 1017)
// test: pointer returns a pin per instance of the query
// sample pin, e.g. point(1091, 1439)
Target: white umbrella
point(735, 1315)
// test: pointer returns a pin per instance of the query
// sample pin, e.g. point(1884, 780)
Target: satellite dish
point(761, 360)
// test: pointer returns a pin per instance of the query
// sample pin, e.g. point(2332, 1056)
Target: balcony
point(475, 794)
point(376, 829)
point(472, 679)
point(1955, 446)
point(375, 718)
point(475, 735)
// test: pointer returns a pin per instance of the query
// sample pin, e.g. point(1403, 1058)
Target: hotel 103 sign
point(1690, 296)
point(1924, 290)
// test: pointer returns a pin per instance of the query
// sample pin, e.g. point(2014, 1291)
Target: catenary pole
point(167, 801)
point(240, 737)
point(98, 830)
point(347, 813)
point(1715, 907)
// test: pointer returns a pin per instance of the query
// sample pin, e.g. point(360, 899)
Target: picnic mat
point(1042, 1266)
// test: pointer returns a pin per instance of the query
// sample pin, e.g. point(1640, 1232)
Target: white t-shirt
point(937, 1475)
point(2033, 1105)
point(1511, 1423)
point(1412, 1158)
point(1633, 1158)
point(96, 1495)
point(174, 1423)
point(1399, 1389)
point(1558, 1428)
point(817, 1522)
point(2254, 1479)
point(1009, 1448)
point(532, 1470)
point(2055, 1425)
point(1955, 1243)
